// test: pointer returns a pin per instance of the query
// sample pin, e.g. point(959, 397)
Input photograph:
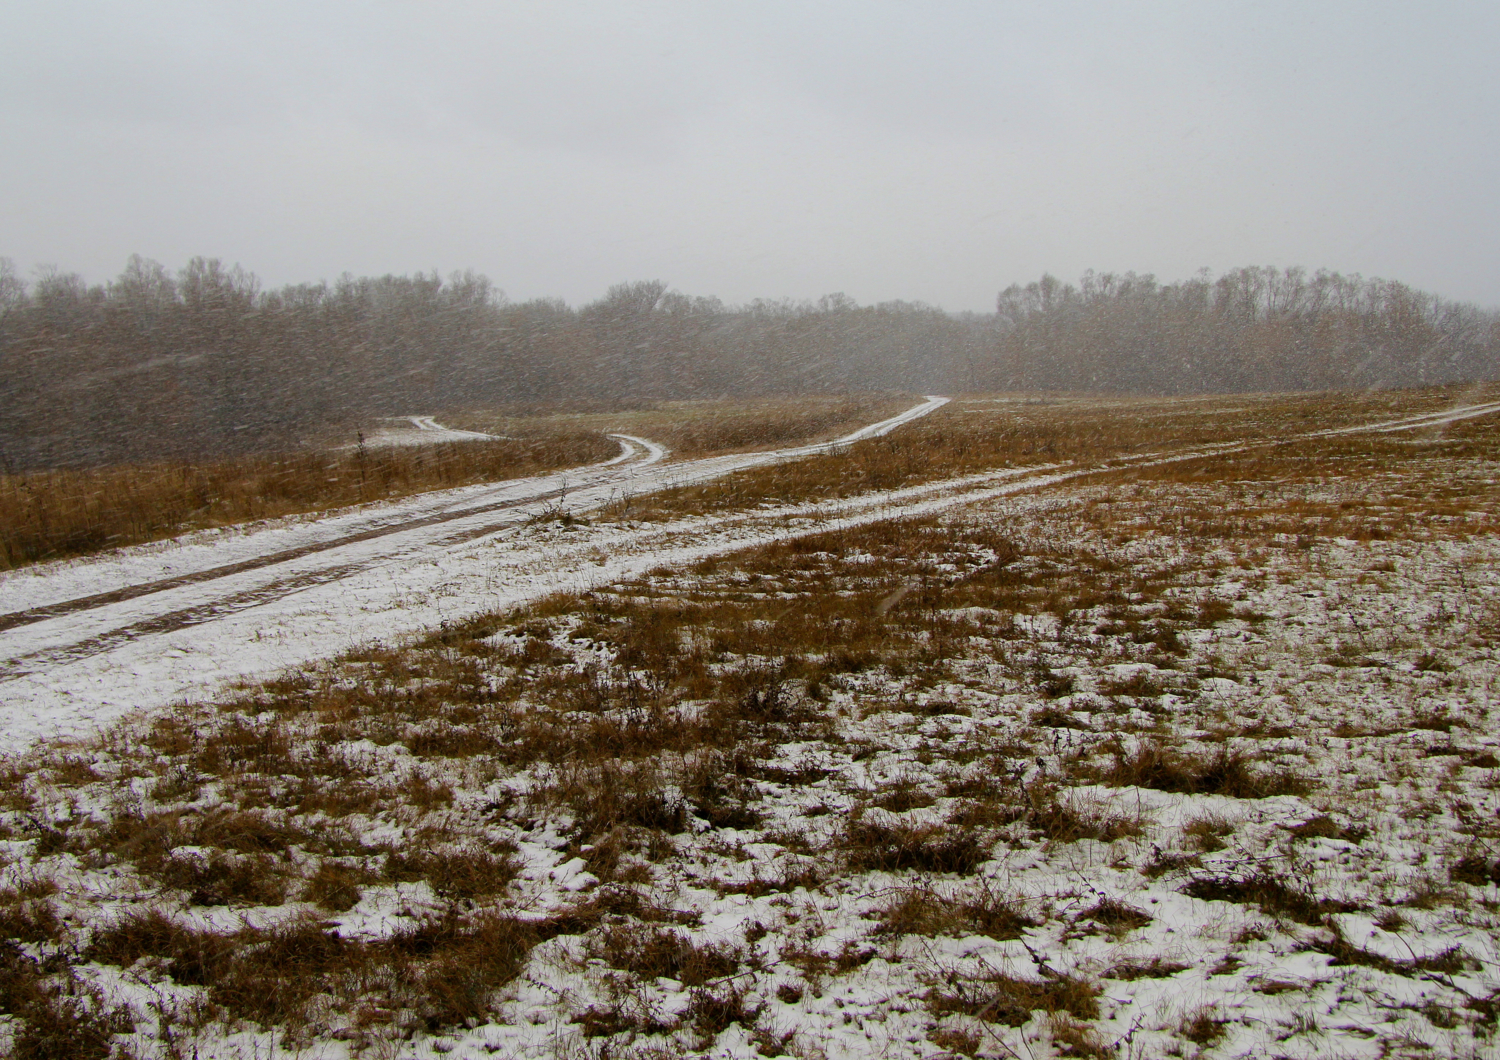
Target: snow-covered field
point(84, 641)
point(1185, 756)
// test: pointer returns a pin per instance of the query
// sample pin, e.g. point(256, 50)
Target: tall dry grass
point(981, 433)
point(663, 725)
point(700, 428)
point(56, 514)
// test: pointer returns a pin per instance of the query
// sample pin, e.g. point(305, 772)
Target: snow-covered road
point(84, 641)
point(420, 430)
point(87, 641)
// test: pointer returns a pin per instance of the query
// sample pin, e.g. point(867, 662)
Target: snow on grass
point(1193, 759)
point(251, 601)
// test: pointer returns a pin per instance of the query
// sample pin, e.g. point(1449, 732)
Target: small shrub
point(334, 887)
point(923, 912)
point(1273, 894)
point(901, 847)
point(655, 952)
point(1011, 1001)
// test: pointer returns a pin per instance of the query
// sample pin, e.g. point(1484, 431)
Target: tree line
point(205, 362)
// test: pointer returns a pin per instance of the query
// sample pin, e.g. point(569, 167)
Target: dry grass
point(701, 428)
point(1010, 1000)
point(923, 911)
point(48, 515)
point(906, 753)
point(982, 433)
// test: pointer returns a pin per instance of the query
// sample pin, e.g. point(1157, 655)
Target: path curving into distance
point(85, 640)
point(636, 452)
point(67, 673)
point(420, 430)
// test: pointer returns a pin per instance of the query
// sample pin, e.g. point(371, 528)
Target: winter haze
point(933, 152)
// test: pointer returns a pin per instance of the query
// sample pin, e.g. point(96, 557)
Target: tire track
point(87, 671)
point(43, 612)
point(637, 453)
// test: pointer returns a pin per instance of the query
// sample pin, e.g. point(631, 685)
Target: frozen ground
point(83, 641)
point(1191, 757)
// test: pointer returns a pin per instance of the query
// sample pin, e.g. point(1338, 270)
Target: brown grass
point(922, 911)
point(1011, 1001)
point(978, 434)
point(917, 695)
point(48, 515)
point(699, 428)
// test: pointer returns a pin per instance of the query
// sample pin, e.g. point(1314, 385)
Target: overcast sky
point(924, 151)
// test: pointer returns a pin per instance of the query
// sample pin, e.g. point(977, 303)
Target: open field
point(1132, 729)
point(703, 428)
point(49, 515)
point(83, 641)
point(982, 433)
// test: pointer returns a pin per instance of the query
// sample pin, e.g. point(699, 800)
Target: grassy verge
point(55, 514)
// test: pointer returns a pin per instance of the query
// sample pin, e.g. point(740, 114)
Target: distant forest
point(205, 362)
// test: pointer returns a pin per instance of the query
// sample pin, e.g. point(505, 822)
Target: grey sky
point(935, 151)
